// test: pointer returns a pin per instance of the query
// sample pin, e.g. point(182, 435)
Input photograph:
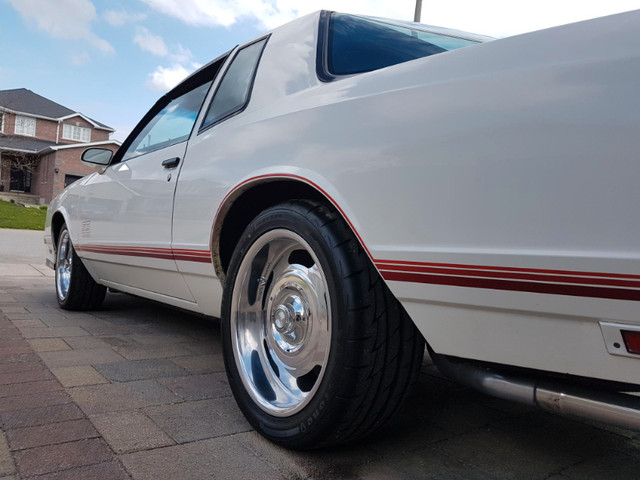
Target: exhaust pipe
point(613, 408)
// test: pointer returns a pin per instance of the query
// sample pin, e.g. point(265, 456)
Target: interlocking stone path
point(137, 391)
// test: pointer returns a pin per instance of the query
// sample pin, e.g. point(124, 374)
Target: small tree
point(24, 161)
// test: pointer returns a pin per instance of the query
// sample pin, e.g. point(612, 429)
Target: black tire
point(374, 351)
point(75, 288)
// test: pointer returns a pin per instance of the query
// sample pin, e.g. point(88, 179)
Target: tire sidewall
point(302, 428)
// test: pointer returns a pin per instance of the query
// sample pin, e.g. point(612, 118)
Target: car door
point(131, 240)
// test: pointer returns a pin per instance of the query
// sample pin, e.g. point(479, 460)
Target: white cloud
point(492, 17)
point(507, 17)
point(150, 42)
point(165, 78)
point(119, 18)
point(67, 19)
point(271, 13)
point(80, 59)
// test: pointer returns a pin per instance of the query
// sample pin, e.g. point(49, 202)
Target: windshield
point(358, 44)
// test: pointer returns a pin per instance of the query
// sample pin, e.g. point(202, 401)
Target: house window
point(25, 126)
point(80, 134)
point(1, 122)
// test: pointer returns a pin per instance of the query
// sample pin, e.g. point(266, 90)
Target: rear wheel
point(317, 350)
point(75, 288)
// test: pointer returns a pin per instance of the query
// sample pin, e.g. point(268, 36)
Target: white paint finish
point(521, 152)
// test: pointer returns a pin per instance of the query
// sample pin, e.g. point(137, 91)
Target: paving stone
point(190, 421)
point(98, 399)
point(50, 434)
point(19, 358)
point(10, 332)
point(70, 320)
point(101, 471)
point(614, 464)
point(140, 370)
point(40, 415)
point(28, 323)
point(25, 402)
point(203, 348)
point(33, 363)
point(74, 358)
point(15, 350)
point(153, 351)
point(219, 458)
point(510, 457)
point(18, 389)
point(78, 376)
point(132, 431)
point(24, 377)
point(198, 387)
point(427, 464)
point(13, 309)
point(53, 332)
point(155, 339)
point(85, 343)
point(10, 343)
point(6, 461)
point(48, 344)
point(201, 363)
point(52, 458)
point(19, 316)
point(333, 463)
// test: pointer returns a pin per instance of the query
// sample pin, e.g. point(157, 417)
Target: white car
point(344, 188)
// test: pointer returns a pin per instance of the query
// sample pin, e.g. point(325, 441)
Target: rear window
point(357, 44)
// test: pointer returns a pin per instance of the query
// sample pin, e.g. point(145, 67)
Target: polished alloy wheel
point(64, 265)
point(280, 316)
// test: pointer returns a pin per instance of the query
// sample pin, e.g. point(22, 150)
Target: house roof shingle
point(23, 144)
point(25, 101)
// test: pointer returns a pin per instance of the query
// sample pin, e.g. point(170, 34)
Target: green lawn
point(26, 218)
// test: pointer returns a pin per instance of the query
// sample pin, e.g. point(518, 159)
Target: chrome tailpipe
point(613, 408)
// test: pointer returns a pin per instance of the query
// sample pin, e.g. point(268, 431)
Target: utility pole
point(416, 16)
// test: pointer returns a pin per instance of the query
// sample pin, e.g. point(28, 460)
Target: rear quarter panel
point(518, 155)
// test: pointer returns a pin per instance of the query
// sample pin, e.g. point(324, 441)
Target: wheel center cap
point(289, 319)
point(283, 318)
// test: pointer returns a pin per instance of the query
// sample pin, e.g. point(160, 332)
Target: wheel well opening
point(56, 225)
point(253, 201)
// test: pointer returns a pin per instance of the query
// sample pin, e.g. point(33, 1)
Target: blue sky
point(112, 59)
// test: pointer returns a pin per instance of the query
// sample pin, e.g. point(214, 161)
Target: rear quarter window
point(358, 44)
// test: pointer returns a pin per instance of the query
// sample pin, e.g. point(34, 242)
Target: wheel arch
point(57, 221)
point(250, 198)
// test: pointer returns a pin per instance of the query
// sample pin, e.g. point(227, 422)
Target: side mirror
point(98, 158)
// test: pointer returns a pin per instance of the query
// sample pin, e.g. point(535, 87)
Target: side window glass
point(173, 124)
point(234, 90)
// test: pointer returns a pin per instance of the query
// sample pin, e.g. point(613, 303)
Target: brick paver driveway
point(137, 390)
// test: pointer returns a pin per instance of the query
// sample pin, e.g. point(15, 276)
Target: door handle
point(171, 162)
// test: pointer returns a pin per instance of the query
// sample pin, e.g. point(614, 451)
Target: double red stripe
point(559, 282)
point(188, 255)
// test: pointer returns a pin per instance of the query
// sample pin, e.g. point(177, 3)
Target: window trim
point(15, 125)
point(199, 77)
point(203, 128)
point(2, 115)
point(73, 127)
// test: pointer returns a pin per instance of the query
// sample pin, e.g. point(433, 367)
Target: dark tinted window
point(359, 44)
point(233, 93)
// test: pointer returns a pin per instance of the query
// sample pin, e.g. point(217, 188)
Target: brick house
point(41, 143)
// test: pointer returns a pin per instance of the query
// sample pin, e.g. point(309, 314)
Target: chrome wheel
point(280, 319)
point(64, 265)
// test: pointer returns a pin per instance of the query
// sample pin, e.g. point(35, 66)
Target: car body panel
point(493, 186)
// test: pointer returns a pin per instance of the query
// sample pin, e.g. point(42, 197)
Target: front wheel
point(317, 350)
point(75, 288)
